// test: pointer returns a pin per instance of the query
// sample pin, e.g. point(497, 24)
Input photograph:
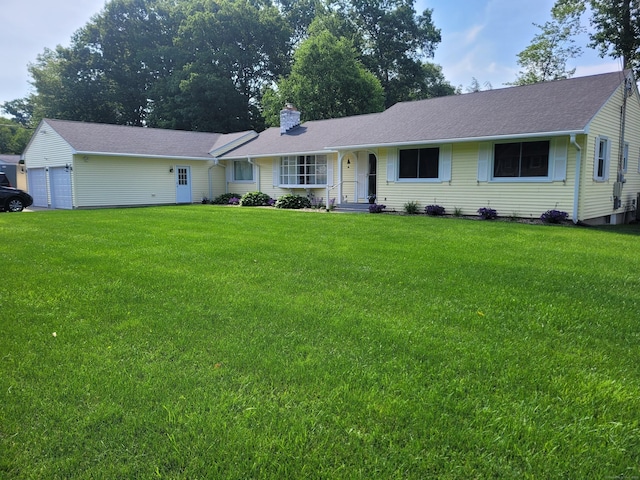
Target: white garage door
point(61, 196)
point(38, 187)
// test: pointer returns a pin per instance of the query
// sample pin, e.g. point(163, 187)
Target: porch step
point(353, 208)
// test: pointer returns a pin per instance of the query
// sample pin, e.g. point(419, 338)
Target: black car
point(14, 200)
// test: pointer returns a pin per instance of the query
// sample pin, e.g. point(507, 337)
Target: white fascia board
point(460, 140)
point(281, 154)
point(139, 155)
point(217, 152)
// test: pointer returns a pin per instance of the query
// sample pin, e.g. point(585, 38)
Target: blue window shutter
point(392, 159)
point(484, 161)
point(330, 170)
point(445, 162)
point(559, 151)
point(276, 171)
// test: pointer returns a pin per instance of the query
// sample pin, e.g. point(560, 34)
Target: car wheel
point(15, 205)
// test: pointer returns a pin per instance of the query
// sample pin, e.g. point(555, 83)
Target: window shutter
point(559, 151)
point(329, 170)
point(392, 160)
point(445, 162)
point(596, 150)
point(484, 161)
point(276, 171)
point(607, 163)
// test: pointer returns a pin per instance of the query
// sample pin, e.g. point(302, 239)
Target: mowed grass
point(221, 342)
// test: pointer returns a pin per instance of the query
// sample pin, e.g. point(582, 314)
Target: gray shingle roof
point(558, 106)
point(125, 140)
point(313, 136)
point(549, 107)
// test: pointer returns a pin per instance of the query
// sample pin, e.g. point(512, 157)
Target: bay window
point(303, 170)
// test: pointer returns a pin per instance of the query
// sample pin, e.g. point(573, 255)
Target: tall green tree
point(327, 81)
point(615, 25)
point(239, 41)
point(107, 71)
point(546, 57)
point(395, 40)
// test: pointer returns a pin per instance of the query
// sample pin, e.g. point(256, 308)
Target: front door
point(183, 184)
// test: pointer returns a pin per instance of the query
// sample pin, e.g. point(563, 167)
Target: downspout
point(578, 180)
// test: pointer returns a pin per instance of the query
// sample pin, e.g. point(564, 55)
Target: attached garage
point(88, 165)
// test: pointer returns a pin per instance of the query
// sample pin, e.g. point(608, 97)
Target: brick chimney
point(289, 118)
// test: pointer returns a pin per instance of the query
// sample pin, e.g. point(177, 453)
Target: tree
point(13, 136)
point(616, 25)
point(107, 71)
point(326, 81)
point(394, 41)
point(546, 57)
point(240, 41)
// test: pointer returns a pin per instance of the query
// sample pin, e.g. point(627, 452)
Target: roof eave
point(323, 151)
point(490, 138)
point(140, 155)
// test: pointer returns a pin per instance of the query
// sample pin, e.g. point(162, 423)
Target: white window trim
point(444, 165)
point(306, 186)
point(542, 179)
point(607, 159)
point(233, 172)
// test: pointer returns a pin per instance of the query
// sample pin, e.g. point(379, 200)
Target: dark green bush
point(411, 208)
point(255, 199)
point(224, 198)
point(293, 201)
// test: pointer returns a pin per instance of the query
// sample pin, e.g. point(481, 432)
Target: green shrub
point(411, 208)
point(255, 199)
point(224, 198)
point(293, 201)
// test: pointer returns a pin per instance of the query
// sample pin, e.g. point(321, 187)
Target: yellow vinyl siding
point(596, 197)
point(464, 192)
point(110, 181)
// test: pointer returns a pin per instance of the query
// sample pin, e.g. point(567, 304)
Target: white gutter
point(139, 155)
point(459, 140)
point(282, 154)
point(576, 188)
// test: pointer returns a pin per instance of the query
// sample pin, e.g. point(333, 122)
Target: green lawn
point(221, 342)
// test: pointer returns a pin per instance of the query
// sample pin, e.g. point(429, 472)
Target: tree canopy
point(328, 80)
point(206, 64)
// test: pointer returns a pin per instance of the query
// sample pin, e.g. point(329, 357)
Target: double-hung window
point(419, 163)
point(521, 159)
point(303, 170)
point(601, 164)
point(242, 171)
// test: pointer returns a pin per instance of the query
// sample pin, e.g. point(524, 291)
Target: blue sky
point(480, 38)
